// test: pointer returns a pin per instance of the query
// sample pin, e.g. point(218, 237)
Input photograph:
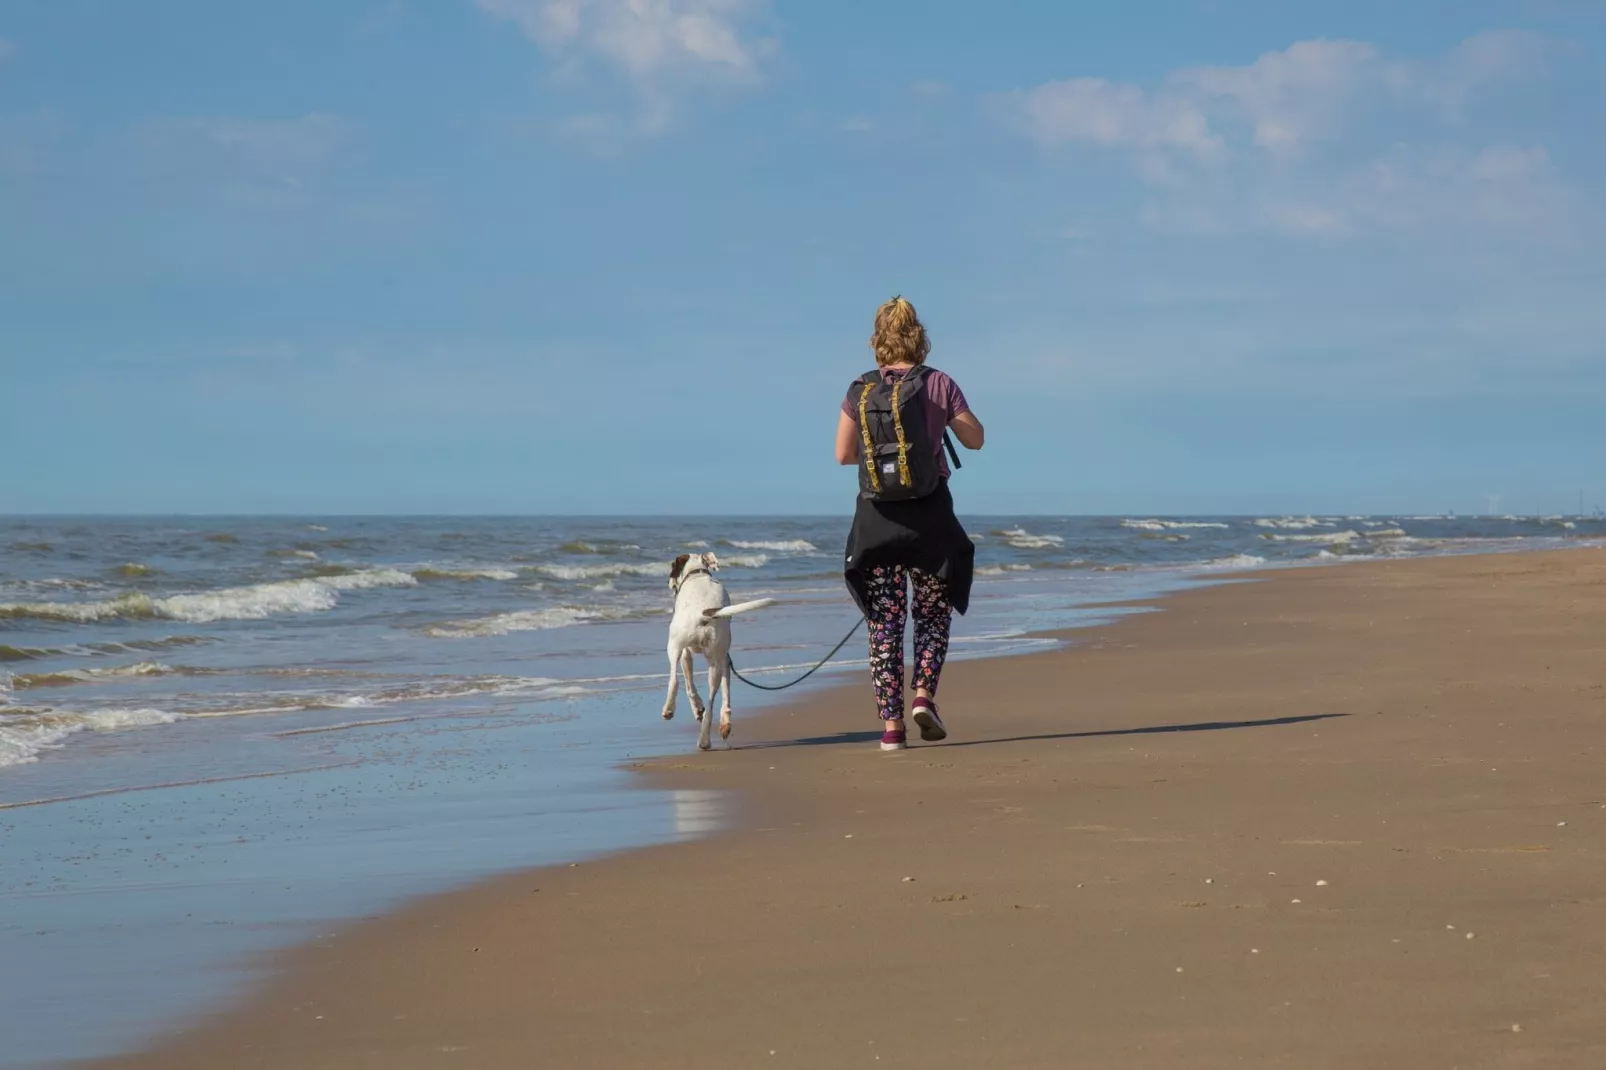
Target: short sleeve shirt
point(944, 402)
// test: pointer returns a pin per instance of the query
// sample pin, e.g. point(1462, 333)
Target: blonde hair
point(899, 336)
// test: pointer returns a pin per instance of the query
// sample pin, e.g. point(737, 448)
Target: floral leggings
point(932, 614)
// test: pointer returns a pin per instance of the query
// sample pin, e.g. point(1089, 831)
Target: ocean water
point(219, 735)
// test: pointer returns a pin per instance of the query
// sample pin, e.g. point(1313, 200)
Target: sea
point(221, 736)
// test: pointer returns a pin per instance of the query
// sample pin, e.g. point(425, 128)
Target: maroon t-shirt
point(944, 401)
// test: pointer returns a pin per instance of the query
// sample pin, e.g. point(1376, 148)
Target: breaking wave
point(69, 677)
point(1329, 537)
point(1292, 523)
point(781, 546)
point(999, 570)
point(602, 572)
point(430, 572)
point(89, 650)
point(602, 546)
point(1153, 524)
point(229, 603)
point(529, 620)
point(1021, 539)
point(25, 732)
point(1236, 561)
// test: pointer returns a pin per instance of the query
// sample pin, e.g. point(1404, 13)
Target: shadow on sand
point(1151, 730)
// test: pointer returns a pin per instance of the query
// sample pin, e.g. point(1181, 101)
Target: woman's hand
point(847, 439)
point(966, 428)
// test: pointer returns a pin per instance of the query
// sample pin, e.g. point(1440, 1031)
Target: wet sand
point(1340, 817)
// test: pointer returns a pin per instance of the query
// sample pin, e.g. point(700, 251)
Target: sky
point(622, 256)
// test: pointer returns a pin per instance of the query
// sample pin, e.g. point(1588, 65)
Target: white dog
point(701, 625)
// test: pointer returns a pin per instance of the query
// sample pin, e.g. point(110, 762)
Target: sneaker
point(893, 739)
point(931, 727)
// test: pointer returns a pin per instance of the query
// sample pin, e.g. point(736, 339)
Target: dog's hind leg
point(703, 742)
point(719, 679)
point(674, 669)
point(690, 674)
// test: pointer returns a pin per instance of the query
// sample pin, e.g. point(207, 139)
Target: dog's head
point(689, 564)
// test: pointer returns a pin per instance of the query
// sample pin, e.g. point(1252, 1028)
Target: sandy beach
point(1335, 817)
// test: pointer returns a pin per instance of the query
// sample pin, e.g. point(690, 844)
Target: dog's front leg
point(689, 673)
point(674, 670)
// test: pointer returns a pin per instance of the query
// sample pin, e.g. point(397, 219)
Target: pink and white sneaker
point(894, 739)
point(931, 726)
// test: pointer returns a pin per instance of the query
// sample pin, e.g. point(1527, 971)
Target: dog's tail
point(739, 607)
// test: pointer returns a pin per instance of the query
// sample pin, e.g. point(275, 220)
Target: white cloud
point(1477, 62)
point(1281, 143)
point(646, 40)
point(1503, 185)
point(1443, 188)
point(659, 47)
point(1281, 101)
point(1113, 114)
point(1290, 96)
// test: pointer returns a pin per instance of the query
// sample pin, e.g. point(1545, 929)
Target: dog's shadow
point(1148, 730)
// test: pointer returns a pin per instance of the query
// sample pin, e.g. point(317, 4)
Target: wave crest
point(780, 546)
point(227, 603)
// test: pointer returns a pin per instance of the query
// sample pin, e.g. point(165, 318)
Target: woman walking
point(905, 534)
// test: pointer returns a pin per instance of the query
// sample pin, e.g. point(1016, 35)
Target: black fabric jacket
point(919, 533)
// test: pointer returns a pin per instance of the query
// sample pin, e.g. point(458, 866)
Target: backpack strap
point(870, 382)
point(953, 454)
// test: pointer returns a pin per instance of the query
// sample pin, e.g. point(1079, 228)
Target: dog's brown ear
point(675, 569)
point(710, 562)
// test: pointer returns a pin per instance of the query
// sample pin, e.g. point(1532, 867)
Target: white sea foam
point(439, 572)
point(783, 546)
point(228, 603)
point(744, 561)
point(1154, 524)
point(1021, 539)
point(1292, 523)
point(1328, 537)
point(999, 570)
point(24, 733)
point(316, 527)
point(365, 578)
point(523, 620)
point(1236, 561)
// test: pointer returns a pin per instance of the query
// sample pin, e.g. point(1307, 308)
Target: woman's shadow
point(1150, 730)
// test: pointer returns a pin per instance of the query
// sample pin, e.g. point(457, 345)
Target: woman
point(915, 540)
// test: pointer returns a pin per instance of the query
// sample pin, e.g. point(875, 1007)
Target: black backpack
point(898, 460)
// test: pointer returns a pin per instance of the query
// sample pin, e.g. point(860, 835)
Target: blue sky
point(622, 255)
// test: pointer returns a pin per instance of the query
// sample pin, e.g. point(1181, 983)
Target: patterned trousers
point(932, 614)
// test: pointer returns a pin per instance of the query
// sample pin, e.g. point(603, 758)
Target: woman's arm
point(967, 429)
point(847, 439)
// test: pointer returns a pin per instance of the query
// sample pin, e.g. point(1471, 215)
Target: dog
point(701, 625)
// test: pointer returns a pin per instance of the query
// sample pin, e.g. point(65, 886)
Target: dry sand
point(1344, 817)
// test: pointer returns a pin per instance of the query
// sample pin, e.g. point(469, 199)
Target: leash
point(766, 687)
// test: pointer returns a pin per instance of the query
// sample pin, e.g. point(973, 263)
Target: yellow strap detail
point(869, 446)
point(903, 446)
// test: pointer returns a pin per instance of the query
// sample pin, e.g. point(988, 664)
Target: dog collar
point(688, 574)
